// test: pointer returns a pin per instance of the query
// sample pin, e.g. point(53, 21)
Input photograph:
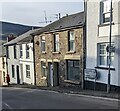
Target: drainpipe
point(34, 59)
point(84, 44)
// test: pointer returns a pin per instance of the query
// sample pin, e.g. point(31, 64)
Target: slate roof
point(70, 21)
point(66, 22)
point(26, 37)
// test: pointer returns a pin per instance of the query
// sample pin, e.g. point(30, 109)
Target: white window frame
point(15, 51)
point(56, 43)
point(21, 51)
point(106, 55)
point(27, 51)
point(43, 43)
point(105, 11)
point(43, 67)
point(27, 71)
point(71, 40)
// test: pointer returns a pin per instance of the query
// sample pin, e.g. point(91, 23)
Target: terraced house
point(59, 52)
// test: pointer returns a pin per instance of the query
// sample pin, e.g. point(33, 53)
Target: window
point(3, 61)
point(13, 71)
point(27, 51)
point(43, 68)
point(7, 51)
point(15, 51)
point(56, 43)
point(4, 78)
point(73, 70)
point(21, 51)
point(71, 41)
point(105, 7)
point(27, 71)
point(43, 43)
point(103, 55)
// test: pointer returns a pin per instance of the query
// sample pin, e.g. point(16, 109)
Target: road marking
point(8, 106)
point(111, 99)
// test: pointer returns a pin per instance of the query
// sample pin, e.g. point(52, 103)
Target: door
point(56, 73)
point(51, 74)
point(18, 77)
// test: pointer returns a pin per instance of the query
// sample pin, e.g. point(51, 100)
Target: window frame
point(71, 41)
point(13, 71)
point(21, 51)
point(15, 51)
point(28, 71)
point(72, 66)
point(56, 42)
point(103, 12)
point(43, 43)
point(43, 69)
point(27, 51)
point(106, 55)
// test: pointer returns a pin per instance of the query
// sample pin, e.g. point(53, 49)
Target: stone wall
point(50, 56)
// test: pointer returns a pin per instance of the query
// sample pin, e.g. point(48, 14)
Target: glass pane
point(71, 35)
point(70, 63)
point(76, 64)
point(71, 45)
point(102, 60)
point(43, 46)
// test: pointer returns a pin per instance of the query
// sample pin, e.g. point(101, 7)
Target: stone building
point(59, 52)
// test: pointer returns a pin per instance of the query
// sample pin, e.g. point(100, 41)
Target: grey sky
point(31, 13)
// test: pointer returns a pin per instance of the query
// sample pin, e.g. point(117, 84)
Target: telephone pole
point(109, 75)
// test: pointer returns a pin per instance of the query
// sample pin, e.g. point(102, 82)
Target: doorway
point(18, 76)
point(50, 74)
point(56, 73)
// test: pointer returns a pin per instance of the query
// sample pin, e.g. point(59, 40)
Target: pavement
point(71, 90)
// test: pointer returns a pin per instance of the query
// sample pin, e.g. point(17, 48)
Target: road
point(24, 98)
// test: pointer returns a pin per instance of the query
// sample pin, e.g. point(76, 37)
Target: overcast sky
point(32, 13)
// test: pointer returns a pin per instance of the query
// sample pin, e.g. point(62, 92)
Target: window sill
point(71, 52)
point(105, 68)
point(105, 24)
point(70, 81)
point(43, 52)
point(56, 52)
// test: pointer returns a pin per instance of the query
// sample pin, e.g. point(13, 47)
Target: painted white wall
point(98, 34)
point(21, 62)
point(12, 61)
point(28, 61)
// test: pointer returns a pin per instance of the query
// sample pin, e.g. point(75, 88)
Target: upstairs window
point(43, 44)
point(71, 41)
point(15, 51)
point(21, 51)
point(56, 43)
point(105, 7)
point(27, 51)
point(7, 51)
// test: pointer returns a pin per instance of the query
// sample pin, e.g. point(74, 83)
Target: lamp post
point(109, 76)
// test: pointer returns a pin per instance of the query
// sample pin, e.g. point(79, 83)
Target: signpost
point(91, 74)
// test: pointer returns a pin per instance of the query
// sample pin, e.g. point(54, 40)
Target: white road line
point(9, 107)
point(96, 97)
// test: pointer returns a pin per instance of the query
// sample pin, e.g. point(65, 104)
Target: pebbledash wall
point(58, 57)
point(99, 33)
